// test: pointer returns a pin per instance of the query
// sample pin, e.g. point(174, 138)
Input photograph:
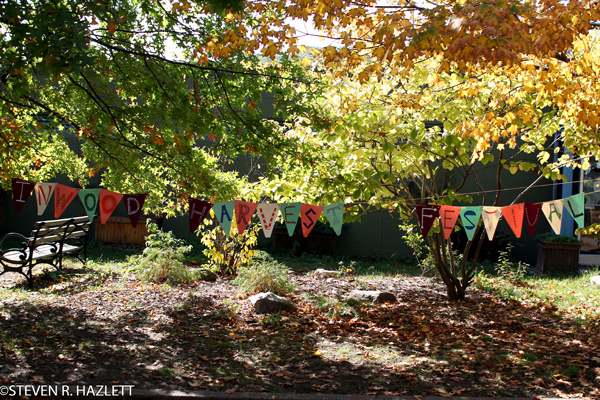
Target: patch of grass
point(167, 371)
point(264, 276)
point(337, 307)
point(571, 371)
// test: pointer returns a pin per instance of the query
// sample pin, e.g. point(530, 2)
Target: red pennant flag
point(108, 202)
point(21, 192)
point(427, 213)
point(63, 195)
point(133, 205)
point(198, 211)
point(532, 216)
point(243, 213)
point(309, 216)
point(448, 217)
point(514, 217)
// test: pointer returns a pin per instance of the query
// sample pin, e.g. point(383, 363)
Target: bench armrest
point(24, 245)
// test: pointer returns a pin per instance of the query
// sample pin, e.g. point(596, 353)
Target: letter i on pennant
point(21, 192)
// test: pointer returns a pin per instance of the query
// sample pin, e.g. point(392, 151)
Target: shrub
point(264, 277)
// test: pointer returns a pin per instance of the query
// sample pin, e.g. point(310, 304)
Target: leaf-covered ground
point(104, 326)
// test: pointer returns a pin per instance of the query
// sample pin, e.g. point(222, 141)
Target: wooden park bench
point(49, 242)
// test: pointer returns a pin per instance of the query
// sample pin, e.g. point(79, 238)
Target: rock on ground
point(206, 275)
point(264, 303)
point(374, 295)
point(595, 280)
point(323, 273)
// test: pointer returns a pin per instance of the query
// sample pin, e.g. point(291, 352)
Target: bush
point(264, 277)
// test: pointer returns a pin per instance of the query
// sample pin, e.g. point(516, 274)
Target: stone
point(595, 280)
point(206, 275)
point(375, 296)
point(264, 303)
point(323, 273)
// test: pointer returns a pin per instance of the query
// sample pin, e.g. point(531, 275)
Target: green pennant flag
point(335, 215)
point(290, 212)
point(470, 218)
point(89, 198)
point(224, 214)
point(575, 207)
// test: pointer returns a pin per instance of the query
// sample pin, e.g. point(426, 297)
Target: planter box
point(118, 230)
point(315, 243)
point(561, 258)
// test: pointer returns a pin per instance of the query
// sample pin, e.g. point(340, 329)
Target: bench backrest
point(59, 230)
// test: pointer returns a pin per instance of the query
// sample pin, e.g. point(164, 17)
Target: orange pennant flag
point(108, 202)
point(63, 195)
point(514, 217)
point(243, 213)
point(448, 216)
point(309, 216)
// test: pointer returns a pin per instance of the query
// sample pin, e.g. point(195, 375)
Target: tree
point(115, 86)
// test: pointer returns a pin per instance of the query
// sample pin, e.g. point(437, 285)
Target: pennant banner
point(290, 212)
point(43, 192)
point(553, 211)
point(89, 198)
point(427, 214)
point(575, 207)
point(243, 213)
point(309, 216)
point(63, 196)
point(448, 217)
point(267, 213)
point(108, 202)
point(491, 216)
point(133, 205)
point(532, 212)
point(470, 218)
point(198, 210)
point(335, 215)
point(514, 216)
point(21, 191)
point(224, 213)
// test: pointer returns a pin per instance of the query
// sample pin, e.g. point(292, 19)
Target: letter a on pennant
point(514, 216)
point(223, 212)
point(108, 202)
point(290, 212)
point(491, 216)
point(198, 210)
point(21, 192)
point(575, 207)
point(89, 198)
point(309, 216)
point(553, 211)
point(335, 215)
point(243, 213)
point(133, 205)
point(63, 196)
point(448, 217)
point(427, 213)
point(43, 192)
point(267, 213)
point(470, 219)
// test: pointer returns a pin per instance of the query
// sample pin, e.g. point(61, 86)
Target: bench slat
point(56, 222)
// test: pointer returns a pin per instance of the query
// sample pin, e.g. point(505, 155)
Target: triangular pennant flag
point(575, 207)
point(63, 196)
point(427, 213)
point(198, 210)
point(470, 218)
point(290, 212)
point(267, 213)
point(491, 216)
point(21, 192)
point(43, 193)
point(448, 217)
point(514, 216)
point(133, 205)
point(553, 211)
point(108, 202)
point(224, 213)
point(309, 215)
point(335, 215)
point(532, 216)
point(243, 213)
point(89, 198)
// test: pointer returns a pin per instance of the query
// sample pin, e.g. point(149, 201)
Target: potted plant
point(558, 254)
